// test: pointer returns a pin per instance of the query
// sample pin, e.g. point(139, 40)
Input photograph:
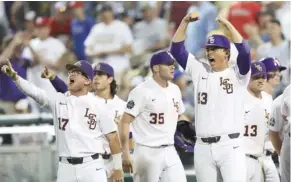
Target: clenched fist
point(48, 74)
point(191, 17)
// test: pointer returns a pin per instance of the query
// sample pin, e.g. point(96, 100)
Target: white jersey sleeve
point(136, 102)
point(285, 107)
point(45, 99)
point(276, 122)
point(242, 79)
point(107, 124)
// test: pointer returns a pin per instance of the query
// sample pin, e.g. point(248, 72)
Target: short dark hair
point(113, 88)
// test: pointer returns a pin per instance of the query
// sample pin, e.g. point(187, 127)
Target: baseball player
point(255, 122)
point(285, 150)
point(153, 109)
point(278, 129)
point(80, 122)
point(273, 69)
point(219, 102)
point(105, 88)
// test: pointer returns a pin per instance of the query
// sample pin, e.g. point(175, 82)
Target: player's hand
point(8, 70)
point(127, 164)
point(48, 74)
point(223, 21)
point(191, 17)
point(117, 176)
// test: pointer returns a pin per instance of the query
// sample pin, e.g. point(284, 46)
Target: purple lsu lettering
point(92, 122)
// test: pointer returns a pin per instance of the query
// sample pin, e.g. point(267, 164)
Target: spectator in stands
point(151, 33)
point(3, 22)
point(110, 41)
point(283, 14)
point(80, 27)
point(61, 23)
point(10, 95)
point(277, 46)
point(49, 49)
point(197, 32)
point(29, 27)
point(242, 13)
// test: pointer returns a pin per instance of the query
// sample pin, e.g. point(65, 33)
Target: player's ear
point(156, 68)
point(88, 82)
point(110, 79)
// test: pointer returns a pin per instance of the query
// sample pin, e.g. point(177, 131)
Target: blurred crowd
point(124, 35)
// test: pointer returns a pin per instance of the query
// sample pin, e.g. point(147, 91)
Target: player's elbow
point(114, 142)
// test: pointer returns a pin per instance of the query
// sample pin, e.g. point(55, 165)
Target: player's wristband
point(117, 161)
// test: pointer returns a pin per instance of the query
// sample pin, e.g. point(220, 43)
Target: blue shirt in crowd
point(80, 30)
point(8, 90)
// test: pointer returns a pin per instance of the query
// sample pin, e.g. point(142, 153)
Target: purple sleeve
point(243, 58)
point(179, 52)
point(59, 85)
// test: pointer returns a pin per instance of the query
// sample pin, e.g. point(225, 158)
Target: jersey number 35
point(157, 118)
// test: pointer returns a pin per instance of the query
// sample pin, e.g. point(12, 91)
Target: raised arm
point(177, 48)
point(244, 55)
point(29, 89)
point(58, 84)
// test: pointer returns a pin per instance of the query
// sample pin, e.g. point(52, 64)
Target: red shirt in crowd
point(58, 28)
point(242, 13)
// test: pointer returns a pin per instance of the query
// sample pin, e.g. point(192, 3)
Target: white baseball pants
point(157, 164)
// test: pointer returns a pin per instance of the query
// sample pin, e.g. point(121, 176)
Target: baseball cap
point(258, 68)
point(83, 66)
point(76, 4)
point(42, 21)
point(162, 57)
point(105, 68)
point(272, 64)
point(218, 41)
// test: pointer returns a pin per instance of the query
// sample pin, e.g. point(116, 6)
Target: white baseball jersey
point(268, 107)
point(115, 108)
point(51, 51)
point(285, 108)
point(80, 122)
point(255, 125)
point(277, 122)
point(156, 111)
point(219, 105)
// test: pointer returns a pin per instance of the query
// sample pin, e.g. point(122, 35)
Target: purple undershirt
point(243, 59)
point(59, 85)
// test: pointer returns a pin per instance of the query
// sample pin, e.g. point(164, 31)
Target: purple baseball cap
point(272, 64)
point(258, 68)
point(105, 68)
point(218, 41)
point(162, 57)
point(82, 66)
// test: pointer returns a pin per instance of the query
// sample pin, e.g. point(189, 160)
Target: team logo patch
point(258, 67)
point(272, 121)
point(78, 64)
point(211, 40)
point(130, 104)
